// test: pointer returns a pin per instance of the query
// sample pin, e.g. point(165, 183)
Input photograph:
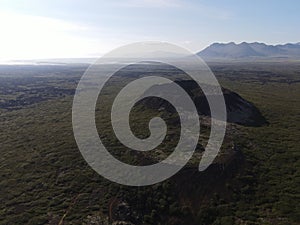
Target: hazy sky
point(77, 28)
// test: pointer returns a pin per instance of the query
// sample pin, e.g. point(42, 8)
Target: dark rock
point(239, 110)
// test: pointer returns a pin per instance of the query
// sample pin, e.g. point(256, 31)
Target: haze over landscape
point(78, 29)
point(58, 112)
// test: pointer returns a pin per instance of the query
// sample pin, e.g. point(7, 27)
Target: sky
point(40, 29)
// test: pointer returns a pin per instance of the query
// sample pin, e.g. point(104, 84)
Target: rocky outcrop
point(239, 110)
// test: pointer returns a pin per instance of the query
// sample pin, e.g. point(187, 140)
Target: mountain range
point(250, 50)
point(216, 51)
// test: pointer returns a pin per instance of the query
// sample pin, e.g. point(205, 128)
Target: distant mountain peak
point(244, 50)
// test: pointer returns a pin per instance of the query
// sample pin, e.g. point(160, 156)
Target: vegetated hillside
point(45, 180)
point(239, 110)
point(250, 50)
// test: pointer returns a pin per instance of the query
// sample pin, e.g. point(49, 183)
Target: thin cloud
point(26, 36)
point(208, 11)
point(150, 3)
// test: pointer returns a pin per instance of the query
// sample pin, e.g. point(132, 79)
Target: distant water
point(61, 61)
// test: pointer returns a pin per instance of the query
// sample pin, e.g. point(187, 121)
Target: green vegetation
point(273, 150)
point(45, 180)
